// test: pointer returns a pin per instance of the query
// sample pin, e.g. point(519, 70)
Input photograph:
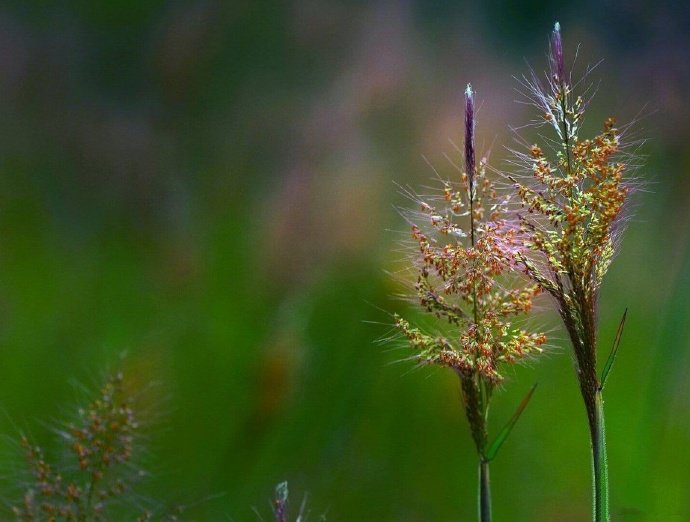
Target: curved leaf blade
point(614, 351)
point(505, 431)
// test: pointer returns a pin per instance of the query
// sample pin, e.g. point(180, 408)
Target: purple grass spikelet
point(281, 507)
point(470, 162)
point(280, 502)
point(557, 63)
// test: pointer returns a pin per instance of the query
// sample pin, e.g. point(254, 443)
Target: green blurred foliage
point(202, 193)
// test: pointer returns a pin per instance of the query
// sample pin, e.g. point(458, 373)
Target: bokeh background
point(202, 193)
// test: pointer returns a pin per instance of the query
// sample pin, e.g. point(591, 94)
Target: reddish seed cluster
point(102, 445)
point(465, 271)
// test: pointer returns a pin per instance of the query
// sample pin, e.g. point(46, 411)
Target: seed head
point(572, 192)
point(466, 250)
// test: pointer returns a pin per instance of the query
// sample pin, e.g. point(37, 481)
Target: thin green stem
point(484, 499)
point(600, 468)
point(590, 388)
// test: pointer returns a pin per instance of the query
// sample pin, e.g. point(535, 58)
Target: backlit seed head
point(466, 249)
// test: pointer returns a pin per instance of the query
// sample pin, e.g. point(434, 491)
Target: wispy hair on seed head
point(461, 255)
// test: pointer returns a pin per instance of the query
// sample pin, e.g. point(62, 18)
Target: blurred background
point(202, 193)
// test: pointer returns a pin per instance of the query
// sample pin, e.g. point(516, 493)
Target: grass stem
point(600, 469)
point(484, 491)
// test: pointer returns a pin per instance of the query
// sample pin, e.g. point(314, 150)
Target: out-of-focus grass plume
point(207, 186)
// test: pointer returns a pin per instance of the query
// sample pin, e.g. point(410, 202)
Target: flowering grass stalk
point(466, 252)
point(572, 193)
